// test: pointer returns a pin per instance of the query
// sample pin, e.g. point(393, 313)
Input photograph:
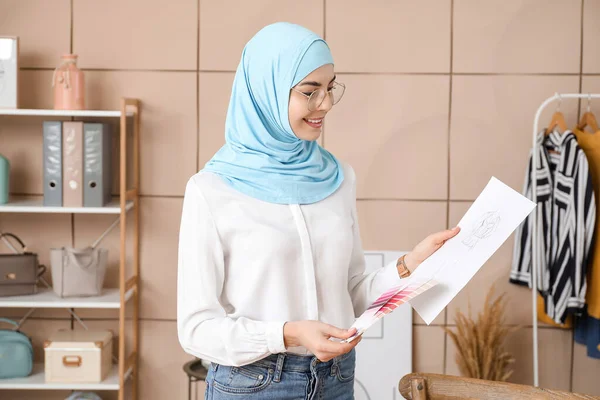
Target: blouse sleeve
point(366, 288)
point(203, 327)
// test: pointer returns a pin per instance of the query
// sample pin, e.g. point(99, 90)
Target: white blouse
point(247, 266)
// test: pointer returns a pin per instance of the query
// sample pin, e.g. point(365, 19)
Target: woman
point(271, 267)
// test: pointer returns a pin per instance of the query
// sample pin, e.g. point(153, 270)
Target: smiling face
point(307, 124)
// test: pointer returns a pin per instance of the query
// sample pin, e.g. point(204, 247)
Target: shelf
point(127, 113)
point(63, 113)
point(36, 205)
point(36, 381)
point(46, 298)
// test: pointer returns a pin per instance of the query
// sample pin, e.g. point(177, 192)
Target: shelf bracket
point(32, 310)
point(106, 232)
point(74, 314)
point(22, 321)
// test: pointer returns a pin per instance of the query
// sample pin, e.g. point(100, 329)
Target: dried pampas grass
point(480, 344)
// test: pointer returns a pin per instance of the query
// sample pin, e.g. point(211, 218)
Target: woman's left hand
point(427, 247)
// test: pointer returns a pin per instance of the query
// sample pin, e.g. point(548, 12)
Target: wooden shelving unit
point(127, 367)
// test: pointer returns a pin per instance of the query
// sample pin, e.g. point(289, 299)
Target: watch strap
point(402, 268)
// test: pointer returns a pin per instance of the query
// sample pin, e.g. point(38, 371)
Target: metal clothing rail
point(534, 255)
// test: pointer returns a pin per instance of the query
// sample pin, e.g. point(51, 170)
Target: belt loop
point(335, 365)
point(336, 360)
point(278, 367)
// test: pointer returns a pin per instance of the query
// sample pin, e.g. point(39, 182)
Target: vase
point(69, 85)
point(4, 175)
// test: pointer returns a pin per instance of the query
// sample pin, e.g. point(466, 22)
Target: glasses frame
point(328, 92)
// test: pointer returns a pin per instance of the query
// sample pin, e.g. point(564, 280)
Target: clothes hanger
point(588, 118)
point(558, 120)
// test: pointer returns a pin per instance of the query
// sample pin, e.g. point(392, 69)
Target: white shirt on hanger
point(246, 266)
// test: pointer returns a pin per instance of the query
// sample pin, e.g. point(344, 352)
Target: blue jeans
point(282, 377)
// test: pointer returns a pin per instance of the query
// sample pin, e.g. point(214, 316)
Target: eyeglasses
point(316, 98)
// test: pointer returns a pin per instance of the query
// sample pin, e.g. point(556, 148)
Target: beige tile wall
point(441, 95)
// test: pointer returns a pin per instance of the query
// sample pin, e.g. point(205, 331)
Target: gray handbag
point(78, 272)
point(19, 273)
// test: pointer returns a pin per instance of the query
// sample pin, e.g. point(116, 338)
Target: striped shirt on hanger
point(566, 216)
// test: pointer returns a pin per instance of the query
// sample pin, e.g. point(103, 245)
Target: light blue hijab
point(262, 157)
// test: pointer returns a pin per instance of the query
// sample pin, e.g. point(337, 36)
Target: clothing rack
point(534, 255)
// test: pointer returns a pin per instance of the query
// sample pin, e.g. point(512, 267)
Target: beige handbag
point(78, 272)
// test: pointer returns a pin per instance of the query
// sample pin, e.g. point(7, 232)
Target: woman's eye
point(307, 93)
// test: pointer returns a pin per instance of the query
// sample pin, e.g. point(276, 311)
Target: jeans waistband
point(293, 362)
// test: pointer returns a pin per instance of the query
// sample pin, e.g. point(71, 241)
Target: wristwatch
point(402, 268)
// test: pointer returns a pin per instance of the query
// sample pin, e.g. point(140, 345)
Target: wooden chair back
point(419, 386)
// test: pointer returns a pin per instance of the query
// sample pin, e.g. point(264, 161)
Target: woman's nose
point(327, 103)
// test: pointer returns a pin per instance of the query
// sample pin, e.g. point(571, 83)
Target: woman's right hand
point(314, 335)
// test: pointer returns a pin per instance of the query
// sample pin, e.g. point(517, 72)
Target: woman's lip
point(313, 124)
point(315, 119)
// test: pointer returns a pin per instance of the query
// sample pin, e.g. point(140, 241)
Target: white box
point(9, 71)
point(78, 356)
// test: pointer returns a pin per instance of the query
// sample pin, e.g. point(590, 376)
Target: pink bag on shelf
point(69, 85)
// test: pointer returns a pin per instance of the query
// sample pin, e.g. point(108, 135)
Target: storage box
point(78, 356)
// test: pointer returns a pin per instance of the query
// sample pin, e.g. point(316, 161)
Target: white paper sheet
point(492, 218)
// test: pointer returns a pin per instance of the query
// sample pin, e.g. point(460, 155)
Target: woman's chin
point(310, 134)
